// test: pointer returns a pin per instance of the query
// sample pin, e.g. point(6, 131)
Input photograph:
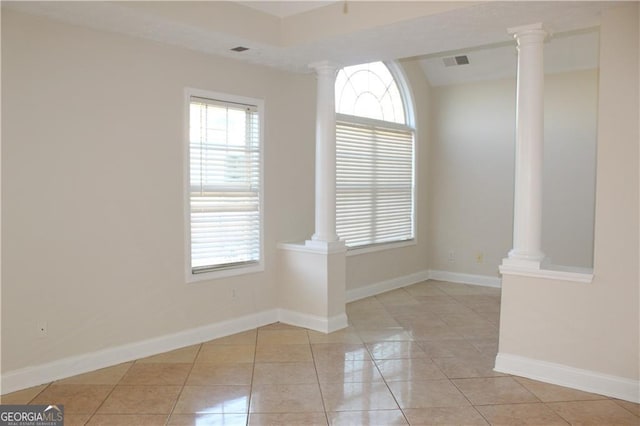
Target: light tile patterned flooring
point(421, 355)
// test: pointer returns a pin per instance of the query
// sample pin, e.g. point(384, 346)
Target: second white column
point(527, 215)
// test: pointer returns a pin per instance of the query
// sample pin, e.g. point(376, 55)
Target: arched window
point(371, 91)
point(374, 157)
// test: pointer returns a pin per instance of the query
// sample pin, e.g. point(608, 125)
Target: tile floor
point(421, 355)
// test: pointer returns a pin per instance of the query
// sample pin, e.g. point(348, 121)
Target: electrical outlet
point(42, 329)
point(233, 293)
point(452, 256)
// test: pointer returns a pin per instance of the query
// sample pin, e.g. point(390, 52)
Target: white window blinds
point(224, 184)
point(374, 193)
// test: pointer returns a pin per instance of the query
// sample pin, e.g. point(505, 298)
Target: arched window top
point(369, 90)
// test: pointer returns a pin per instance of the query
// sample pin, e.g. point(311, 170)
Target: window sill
point(224, 273)
point(380, 247)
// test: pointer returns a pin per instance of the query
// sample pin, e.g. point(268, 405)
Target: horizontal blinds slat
point(224, 187)
point(374, 183)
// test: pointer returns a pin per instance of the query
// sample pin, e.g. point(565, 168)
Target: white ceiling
point(283, 9)
point(291, 35)
point(578, 50)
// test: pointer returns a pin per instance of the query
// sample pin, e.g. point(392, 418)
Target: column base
point(522, 261)
point(519, 263)
point(326, 246)
point(312, 284)
point(527, 258)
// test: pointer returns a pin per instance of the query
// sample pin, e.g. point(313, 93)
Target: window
point(224, 185)
point(374, 158)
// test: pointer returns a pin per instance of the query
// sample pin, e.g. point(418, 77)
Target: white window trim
point(190, 277)
point(405, 93)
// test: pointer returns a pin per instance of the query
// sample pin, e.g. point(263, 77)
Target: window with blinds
point(374, 183)
point(224, 185)
point(374, 159)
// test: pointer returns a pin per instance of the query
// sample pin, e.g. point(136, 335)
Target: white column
point(527, 212)
point(325, 209)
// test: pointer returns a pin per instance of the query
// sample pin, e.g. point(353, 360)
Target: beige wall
point(93, 196)
point(471, 176)
point(595, 326)
point(92, 189)
point(471, 172)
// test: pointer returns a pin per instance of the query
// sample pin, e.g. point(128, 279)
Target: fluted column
point(325, 208)
point(527, 214)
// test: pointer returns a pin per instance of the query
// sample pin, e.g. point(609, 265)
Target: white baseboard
point(562, 375)
point(71, 366)
point(313, 322)
point(382, 286)
point(454, 277)
point(458, 277)
point(44, 373)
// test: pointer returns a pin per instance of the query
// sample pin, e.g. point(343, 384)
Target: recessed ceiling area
point(283, 9)
point(292, 35)
point(572, 51)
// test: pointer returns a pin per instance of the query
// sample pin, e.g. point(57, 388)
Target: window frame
point(231, 269)
point(400, 79)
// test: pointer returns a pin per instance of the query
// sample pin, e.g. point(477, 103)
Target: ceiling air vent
point(453, 61)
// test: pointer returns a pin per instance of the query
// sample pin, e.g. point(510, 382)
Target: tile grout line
point(109, 394)
point(449, 378)
point(38, 394)
point(253, 373)
point(619, 405)
point(404, 416)
point(315, 368)
point(186, 379)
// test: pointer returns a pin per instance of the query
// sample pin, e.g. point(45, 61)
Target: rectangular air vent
point(453, 61)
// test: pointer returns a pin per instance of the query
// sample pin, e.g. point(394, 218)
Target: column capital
point(324, 67)
point(538, 30)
